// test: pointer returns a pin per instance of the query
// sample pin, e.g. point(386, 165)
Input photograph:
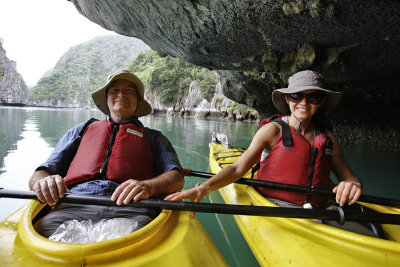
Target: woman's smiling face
point(304, 105)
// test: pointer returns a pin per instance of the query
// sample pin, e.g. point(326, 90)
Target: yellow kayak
point(172, 239)
point(278, 241)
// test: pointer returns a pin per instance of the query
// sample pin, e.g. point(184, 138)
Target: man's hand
point(50, 189)
point(132, 189)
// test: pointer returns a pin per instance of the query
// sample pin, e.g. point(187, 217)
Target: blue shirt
point(165, 158)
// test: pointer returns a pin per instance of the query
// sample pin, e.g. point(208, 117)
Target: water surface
point(27, 136)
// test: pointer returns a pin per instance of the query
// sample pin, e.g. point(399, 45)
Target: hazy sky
point(36, 33)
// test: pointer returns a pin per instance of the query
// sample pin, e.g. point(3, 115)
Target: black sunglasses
point(311, 98)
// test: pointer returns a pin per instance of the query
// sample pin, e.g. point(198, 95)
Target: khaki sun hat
point(301, 81)
point(100, 97)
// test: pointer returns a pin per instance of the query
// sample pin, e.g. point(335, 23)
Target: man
point(115, 157)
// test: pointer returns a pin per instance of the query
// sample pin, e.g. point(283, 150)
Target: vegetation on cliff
point(243, 110)
point(84, 69)
point(170, 77)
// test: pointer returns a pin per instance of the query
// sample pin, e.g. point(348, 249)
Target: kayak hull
point(278, 241)
point(170, 238)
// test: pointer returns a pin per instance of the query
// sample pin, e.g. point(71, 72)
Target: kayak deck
point(302, 242)
point(170, 238)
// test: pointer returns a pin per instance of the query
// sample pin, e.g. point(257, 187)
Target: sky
point(36, 33)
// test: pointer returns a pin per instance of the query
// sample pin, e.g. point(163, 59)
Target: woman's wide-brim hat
point(300, 81)
point(100, 98)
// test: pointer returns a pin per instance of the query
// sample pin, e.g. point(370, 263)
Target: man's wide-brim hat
point(100, 98)
point(300, 81)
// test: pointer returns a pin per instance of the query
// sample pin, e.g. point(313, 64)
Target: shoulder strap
point(87, 125)
point(254, 169)
point(286, 134)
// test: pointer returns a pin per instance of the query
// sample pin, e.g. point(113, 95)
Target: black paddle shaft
point(339, 215)
point(298, 188)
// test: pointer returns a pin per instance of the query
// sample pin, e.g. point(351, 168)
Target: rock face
point(219, 102)
point(193, 104)
point(193, 98)
point(13, 89)
point(257, 44)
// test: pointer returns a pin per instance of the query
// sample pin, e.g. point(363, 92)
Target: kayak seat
point(374, 227)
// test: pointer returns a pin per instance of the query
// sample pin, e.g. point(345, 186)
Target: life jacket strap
point(286, 134)
point(87, 125)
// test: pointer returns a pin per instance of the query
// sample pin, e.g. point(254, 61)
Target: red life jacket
point(118, 151)
point(297, 163)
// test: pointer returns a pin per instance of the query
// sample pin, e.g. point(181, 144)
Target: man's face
point(122, 99)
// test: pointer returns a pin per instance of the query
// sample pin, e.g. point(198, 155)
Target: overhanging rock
point(257, 44)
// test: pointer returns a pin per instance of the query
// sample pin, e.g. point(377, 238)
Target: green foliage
point(243, 109)
point(84, 68)
point(206, 80)
point(170, 77)
point(218, 102)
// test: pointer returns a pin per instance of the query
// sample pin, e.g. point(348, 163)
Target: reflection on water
point(11, 125)
point(53, 123)
point(21, 157)
point(27, 137)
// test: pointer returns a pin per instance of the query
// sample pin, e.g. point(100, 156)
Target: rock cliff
point(193, 104)
point(13, 89)
point(257, 44)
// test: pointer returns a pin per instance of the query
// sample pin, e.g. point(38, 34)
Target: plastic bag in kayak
point(83, 232)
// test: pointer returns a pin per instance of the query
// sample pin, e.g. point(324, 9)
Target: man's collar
point(134, 120)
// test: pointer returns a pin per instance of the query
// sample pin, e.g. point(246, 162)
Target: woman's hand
point(195, 194)
point(132, 189)
point(347, 192)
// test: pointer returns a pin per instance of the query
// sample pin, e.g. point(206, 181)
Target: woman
point(285, 162)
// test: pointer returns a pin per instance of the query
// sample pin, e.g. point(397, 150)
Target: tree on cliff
point(170, 77)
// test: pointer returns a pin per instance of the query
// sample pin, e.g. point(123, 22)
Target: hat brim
point(100, 98)
point(278, 98)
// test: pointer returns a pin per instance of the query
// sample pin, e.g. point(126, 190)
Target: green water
point(27, 136)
